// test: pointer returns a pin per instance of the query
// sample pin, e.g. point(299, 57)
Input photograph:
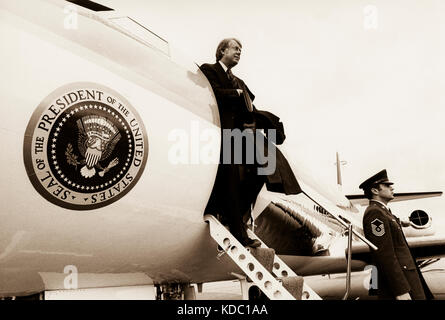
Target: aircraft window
point(419, 217)
point(141, 33)
point(90, 5)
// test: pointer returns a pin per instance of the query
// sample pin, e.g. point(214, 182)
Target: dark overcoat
point(397, 271)
point(233, 114)
point(237, 185)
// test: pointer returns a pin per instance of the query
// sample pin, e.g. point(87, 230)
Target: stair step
point(294, 285)
point(281, 270)
point(257, 264)
point(265, 256)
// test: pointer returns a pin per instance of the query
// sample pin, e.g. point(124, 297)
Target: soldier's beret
point(381, 177)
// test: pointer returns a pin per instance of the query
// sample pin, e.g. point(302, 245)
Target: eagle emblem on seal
point(85, 146)
point(96, 141)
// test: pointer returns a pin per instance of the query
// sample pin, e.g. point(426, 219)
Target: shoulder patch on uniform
point(377, 227)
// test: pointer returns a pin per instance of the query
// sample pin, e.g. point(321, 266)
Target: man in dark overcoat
point(238, 183)
point(397, 272)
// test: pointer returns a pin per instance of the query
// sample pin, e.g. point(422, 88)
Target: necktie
point(240, 85)
point(232, 79)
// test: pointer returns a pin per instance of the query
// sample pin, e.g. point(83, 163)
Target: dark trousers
point(236, 189)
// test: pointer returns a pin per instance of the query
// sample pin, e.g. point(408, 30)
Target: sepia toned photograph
point(230, 151)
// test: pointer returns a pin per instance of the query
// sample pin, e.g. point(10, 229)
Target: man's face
point(385, 191)
point(231, 54)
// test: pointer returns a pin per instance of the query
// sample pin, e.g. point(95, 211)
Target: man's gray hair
point(223, 45)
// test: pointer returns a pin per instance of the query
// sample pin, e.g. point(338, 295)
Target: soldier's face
point(231, 54)
point(386, 191)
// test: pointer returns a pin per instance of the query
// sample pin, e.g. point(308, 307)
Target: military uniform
point(397, 272)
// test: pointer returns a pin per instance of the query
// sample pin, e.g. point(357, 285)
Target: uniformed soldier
point(397, 273)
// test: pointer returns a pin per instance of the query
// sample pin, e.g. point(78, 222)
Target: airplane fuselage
point(88, 176)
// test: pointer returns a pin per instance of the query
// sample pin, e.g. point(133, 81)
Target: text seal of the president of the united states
point(85, 146)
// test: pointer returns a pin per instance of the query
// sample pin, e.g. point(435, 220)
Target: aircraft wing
point(359, 199)
point(307, 266)
point(422, 248)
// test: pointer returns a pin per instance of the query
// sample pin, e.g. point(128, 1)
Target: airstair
point(272, 276)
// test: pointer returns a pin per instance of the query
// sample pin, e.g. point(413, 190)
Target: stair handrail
point(344, 223)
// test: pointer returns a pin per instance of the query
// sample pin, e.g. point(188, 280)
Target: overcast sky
point(364, 78)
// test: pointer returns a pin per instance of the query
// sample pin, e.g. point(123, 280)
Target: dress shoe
point(253, 243)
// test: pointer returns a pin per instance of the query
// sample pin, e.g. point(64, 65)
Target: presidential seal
point(85, 147)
